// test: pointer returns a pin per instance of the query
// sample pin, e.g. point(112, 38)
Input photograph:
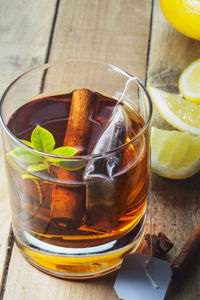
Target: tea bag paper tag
point(133, 283)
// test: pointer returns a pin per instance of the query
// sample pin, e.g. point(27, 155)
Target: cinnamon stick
point(188, 253)
point(68, 204)
point(160, 245)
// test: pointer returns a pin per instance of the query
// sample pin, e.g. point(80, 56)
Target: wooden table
point(134, 35)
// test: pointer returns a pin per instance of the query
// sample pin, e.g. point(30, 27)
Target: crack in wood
point(10, 243)
point(52, 31)
point(50, 43)
point(149, 42)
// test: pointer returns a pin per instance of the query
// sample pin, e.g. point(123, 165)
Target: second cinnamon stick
point(188, 253)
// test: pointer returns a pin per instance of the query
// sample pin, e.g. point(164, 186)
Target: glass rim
point(77, 157)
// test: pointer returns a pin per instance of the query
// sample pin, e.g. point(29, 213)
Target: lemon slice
point(180, 113)
point(189, 82)
point(174, 154)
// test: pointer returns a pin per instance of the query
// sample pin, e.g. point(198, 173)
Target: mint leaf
point(71, 165)
point(37, 167)
point(42, 139)
point(28, 176)
point(67, 164)
point(25, 156)
point(27, 143)
point(65, 151)
point(13, 163)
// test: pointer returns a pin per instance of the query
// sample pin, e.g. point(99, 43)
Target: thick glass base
point(79, 263)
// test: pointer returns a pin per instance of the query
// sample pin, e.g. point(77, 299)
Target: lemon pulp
point(174, 154)
point(180, 113)
point(189, 82)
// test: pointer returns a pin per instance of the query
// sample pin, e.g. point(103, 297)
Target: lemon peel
point(184, 15)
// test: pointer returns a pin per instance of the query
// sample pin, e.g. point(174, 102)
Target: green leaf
point(13, 163)
point(71, 165)
point(25, 156)
point(28, 176)
point(37, 167)
point(42, 139)
point(27, 143)
point(67, 164)
point(65, 151)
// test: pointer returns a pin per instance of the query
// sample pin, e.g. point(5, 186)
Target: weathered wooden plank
point(115, 31)
point(25, 282)
point(170, 53)
point(176, 203)
point(25, 29)
point(110, 31)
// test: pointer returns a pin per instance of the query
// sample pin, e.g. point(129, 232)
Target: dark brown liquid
point(32, 198)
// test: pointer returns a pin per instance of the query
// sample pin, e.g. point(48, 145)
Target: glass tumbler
point(76, 216)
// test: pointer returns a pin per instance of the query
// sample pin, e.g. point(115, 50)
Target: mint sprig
point(43, 140)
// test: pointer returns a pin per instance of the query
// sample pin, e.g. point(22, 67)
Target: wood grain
point(176, 203)
point(170, 53)
point(115, 31)
point(25, 29)
point(27, 283)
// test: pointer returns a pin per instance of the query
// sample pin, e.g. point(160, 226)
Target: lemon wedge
point(189, 81)
point(182, 114)
point(174, 154)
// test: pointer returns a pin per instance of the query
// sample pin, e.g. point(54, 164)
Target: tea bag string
point(122, 97)
point(146, 263)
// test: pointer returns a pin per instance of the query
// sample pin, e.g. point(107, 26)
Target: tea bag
point(142, 277)
point(104, 189)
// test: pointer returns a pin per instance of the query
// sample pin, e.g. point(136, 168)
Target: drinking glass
point(108, 223)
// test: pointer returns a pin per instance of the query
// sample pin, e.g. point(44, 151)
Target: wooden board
point(25, 31)
point(25, 282)
point(175, 202)
point(115, 31)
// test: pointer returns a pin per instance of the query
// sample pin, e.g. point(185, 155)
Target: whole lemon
point(184, 15)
